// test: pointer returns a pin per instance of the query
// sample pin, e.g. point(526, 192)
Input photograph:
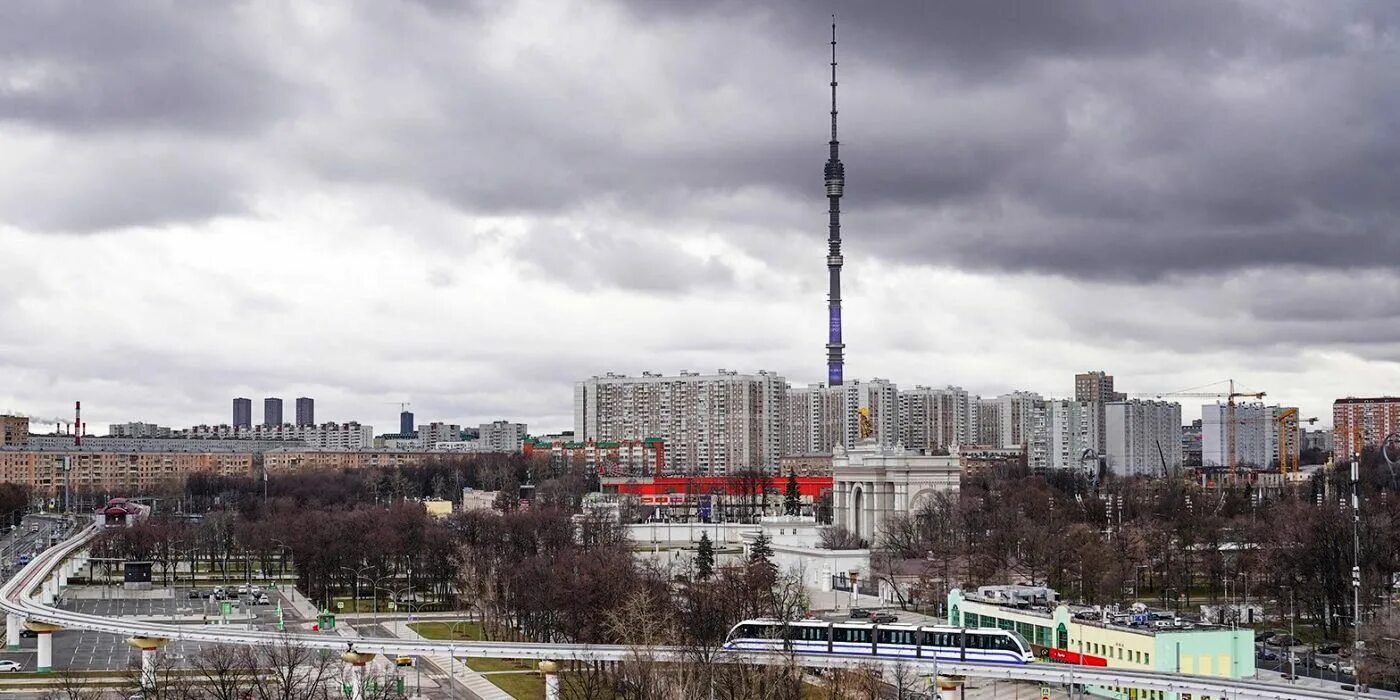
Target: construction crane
point(1230, 420)
point(1289, 447)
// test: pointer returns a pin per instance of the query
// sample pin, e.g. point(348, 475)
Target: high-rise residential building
point(1017, 414)
point(1063, 431)
point(1256, 435)
point(1358, 423)
point(501, 436)
point(711, 424)
point(14, 431)
point(433, 433)
point(272, 412)
point(242, 413)
point(138, 430)
point(880, 398)
point(936, 420)
point(1097, 388)
point(405, 423)
point(989, 426)
point(306, 411)
point(817, 418)
point(1143, 437)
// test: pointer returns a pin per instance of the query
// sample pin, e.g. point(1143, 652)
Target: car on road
point(28, 634)
point(884, 618)
point(402, 660)
point(860, 614)
point(9, 666)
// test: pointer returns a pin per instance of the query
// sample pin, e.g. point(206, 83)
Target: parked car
point(1329, 648)
point(243, 589)
point(1267, 654)
point(261, 599)
point(1346, 668)
point(195, 594)
point(9, 666)
point(1283, 640)
point(860, 614)
point(884, 618)
point(28, 634)
point(402, 660)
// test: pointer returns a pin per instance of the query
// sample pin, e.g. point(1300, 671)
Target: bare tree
point(289, 671)
point(69, 686)
point(225, 672)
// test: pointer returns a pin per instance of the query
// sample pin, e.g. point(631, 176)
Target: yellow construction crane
point(1289, 449)
point(1230, 420)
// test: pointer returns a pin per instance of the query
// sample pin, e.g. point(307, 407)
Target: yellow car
point(402, 660)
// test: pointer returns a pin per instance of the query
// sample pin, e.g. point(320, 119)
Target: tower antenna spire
point(835, 184)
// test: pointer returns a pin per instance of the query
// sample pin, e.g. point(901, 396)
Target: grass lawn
point(471, 632)
point(523, 686)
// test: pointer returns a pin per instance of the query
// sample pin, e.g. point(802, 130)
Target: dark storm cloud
point(1094, 140)
point(82, 66)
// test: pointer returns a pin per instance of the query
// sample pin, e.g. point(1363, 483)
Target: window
point(851, 635)
point(905, 637)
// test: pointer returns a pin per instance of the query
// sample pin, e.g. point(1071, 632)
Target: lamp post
point(452, 658)
point(357, 573)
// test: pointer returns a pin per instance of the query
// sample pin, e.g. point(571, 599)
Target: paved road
point(86, 650)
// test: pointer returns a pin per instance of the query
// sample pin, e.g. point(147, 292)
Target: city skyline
point(1030, 205)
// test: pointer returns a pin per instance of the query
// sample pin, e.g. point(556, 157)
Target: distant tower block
point(835, 184)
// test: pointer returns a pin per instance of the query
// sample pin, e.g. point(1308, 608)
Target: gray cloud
point(81, 66)
point(1191, 178)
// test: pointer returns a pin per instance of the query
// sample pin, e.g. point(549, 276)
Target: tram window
point(940, 639)
point(853, 635)
point(755, 631)
point(808, 633)
point(895, 637)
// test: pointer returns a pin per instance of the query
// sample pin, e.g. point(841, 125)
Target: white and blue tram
point(893, 641)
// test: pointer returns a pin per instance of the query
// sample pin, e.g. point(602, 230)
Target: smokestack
point(77, 423)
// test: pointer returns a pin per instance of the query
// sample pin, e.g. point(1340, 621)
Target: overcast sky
point(469, 206)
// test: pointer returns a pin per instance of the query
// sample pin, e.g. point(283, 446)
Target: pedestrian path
point(474, 682)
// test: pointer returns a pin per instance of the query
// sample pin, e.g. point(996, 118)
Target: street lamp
point(452, 658)
point(357, 573)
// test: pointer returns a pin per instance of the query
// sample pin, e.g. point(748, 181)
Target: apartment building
point(936, 420)
point(1096, 388)
point(1256, 435)
point(1143, 437)
point(1363, 422)
point(711, 424)
point(501, 436)
point(272, 412)
point(138, 430)
point(14, 431)
point(242, 413)
point(1064, 430)
point(343, 436)
point(306, 412)
point(126, 472)
point(436, 432)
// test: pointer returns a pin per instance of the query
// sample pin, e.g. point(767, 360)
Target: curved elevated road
point(18, 597)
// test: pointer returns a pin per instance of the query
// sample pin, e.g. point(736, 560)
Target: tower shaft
point(835, 183)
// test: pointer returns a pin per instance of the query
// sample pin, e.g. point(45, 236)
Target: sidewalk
point(302, 606)
point(474, 682)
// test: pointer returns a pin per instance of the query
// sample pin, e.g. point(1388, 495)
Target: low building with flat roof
point(1061, 636)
